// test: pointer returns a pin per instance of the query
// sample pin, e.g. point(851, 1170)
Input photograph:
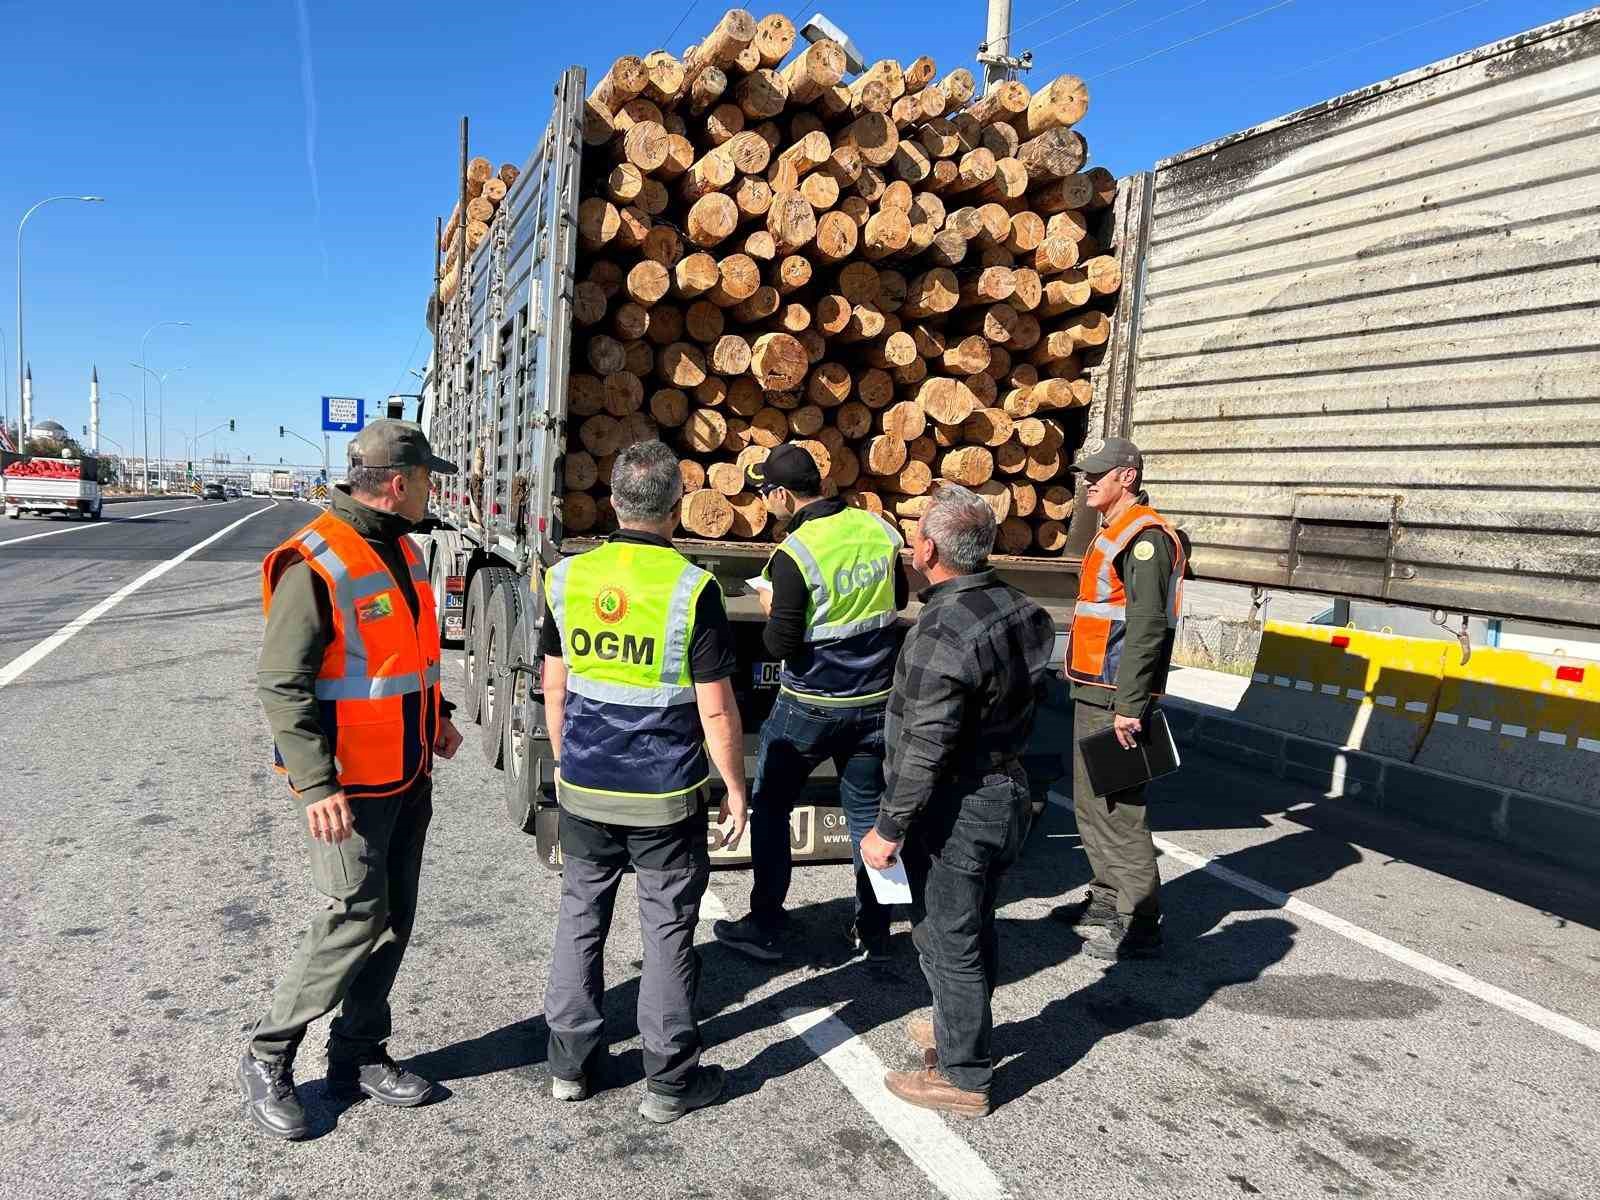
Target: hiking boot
point(383, 1079)
point(570, 1090)
point(704, 1088)
point(920, 1032)
point(927, 1088)
point(875, 947)
point(750, 938)
point(1138, 938)
point(269, 1099)
point(1091, 912)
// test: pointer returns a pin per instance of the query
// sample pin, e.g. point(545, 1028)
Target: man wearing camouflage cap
point(349, 681)
point(1130, 595)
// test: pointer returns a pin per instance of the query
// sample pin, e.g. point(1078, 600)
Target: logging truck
point(1356, 343)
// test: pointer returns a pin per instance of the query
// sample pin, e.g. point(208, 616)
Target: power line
point(1046, 17)
point(1260, 12)
point(1127, 33)
point(666, 42)
point(1110, 12)
point(413, 354)
point(1388, 37)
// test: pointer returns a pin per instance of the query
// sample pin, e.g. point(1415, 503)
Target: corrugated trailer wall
point(1367, 359)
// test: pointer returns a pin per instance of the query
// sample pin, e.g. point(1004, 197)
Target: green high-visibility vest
point(633, 752)
point(848, 563)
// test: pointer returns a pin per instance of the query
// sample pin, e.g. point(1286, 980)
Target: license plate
point(766, 674)
point(454, 600)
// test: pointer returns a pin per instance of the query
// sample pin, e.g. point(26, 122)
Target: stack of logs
point(900, 276)
point(486, 189)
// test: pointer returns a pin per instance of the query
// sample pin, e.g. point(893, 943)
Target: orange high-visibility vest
point(1099, 620)
point(378, 686)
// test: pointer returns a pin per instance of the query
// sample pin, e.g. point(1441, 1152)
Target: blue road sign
point(342, 414)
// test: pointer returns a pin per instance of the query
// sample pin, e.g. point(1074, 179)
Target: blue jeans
point(795, 739)
point(955, 855)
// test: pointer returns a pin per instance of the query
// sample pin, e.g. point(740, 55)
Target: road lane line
point(94, 524)
point(1512, 1003)
point(950, 1164)
point(14, 668)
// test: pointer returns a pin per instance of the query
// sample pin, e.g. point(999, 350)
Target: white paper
point(759, 584)
point(891, 886)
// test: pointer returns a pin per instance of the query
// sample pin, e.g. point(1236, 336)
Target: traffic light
point(232, 427)
point(280, 430)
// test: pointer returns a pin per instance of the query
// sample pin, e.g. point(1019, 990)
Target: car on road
point(231, 491)
point(213, 491)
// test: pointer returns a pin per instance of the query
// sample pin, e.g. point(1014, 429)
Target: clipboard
point(1111, 768)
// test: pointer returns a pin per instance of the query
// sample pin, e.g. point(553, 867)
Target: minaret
point(94, 410)
point(27, 407)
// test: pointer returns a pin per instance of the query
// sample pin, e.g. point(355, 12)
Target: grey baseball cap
point(1107, 454)
point(387, 443)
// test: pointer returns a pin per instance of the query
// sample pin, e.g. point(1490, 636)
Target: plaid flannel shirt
point(969, 676)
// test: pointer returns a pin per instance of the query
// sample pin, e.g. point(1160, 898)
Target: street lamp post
point(284, 429)
point(145, 400)
point(133, 417)
point(26, 417)
point(161, 398)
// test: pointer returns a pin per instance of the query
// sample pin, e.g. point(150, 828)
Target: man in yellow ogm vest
point(638, 666)
point(833, 608)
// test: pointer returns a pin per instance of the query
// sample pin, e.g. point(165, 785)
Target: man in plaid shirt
point(969, 676)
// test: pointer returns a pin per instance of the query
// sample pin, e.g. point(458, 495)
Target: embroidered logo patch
point(1093, 446)
point(371, 610)
point(611, 604)
point(1144, 551)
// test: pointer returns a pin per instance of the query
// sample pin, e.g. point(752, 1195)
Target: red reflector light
point(455, 583)
point(497, 508)
point(1570, 674)
point(1341, 641)
point(541, 524)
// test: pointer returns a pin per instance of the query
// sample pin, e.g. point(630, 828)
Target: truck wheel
point(472, 650)
point(525, 740)
point(504, 607)
point(94, 513)
point(437, 570)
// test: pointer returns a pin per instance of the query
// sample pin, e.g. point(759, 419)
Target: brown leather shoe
point(920, 1031)
point(927, 1088)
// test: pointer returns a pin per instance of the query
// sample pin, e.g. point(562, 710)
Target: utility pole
point(94, 410)
point(999, 64)
point(27, 408)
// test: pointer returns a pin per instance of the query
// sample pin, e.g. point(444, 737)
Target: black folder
point(1115, 769)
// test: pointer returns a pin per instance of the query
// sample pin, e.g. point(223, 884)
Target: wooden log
point(1053, 155)
point(923, 449)
point(871, 96)
point(579, 471)
point(1030, 431)
point(706, 89)
point(692, 474)
point(749, 515)
point(830, 385)
point(738, 278)
point(663, 245)
point(749, 152)
point(1103, 275)
point(912, 508)
point(758, 306)
point(725, 477)
point(999, 139)
point(645, 145)
point(853, 420)
point(665, 77)
point(886, 71)
point(1060, 103)
point(988, 427)
point(995, 494)
point(774, 39)
point(761, 94)
point(723, 122)
point(1061, 195)
point(1010, 181)
point(818, 68)
point(905, 421)
point(648, 282)
point(821, 190)
point(866, 323)
point(633, 226)
point(930, 341)
point(913, 479)
point(730, 355)
point(631, 321)
point(752, 456)
point(769, 427)
point(1056, 502)
point(712, 219)
point(494, 191)
point(836, 236)
point(479, 170)
point(679, 158)
point(948, 401)
point(844, 166)
point(704, 321)
point(983, 387)
point(585, 395)
point(1088, 328)
point(792, 164)
point(635, 111)
point(639, 358)
point(597, 124)
point(989, 286)
point(1064, 293)
point(968, 356)
point(846, 467)
point(791, 221)
point(932, 292)
point(875, 136)
point(779, 362)
point(875, 388)
point(1014, 536)
point(605, 354)
point(793, 273)
point(939, 138)
point(1006, 102)
point(588, 303)
point(895, 350)
point(887, 232)
point(871, 184)
point(794, 317)
point(669, 406)
point(705, 430)
point(601, 435)
point(1045, 462)
point(578, 512)
point(695, 275)
point(753, 197)
point(713, 393)
point(865, 499)
point(885, 454)
point(1054, 254)
point(682, 365)
point(1051, 536)
point(977, 167)
point(1011, 458)
point(627, 77)
point(1073, 225)
point(805, 421)
point(479, 209)
point(1024, 498)
point(1026, 232)
point(911, 162)
point(722, 46)
point(706, 513)
point(819, 455)
point(958, 87)
point(1104, 184)
point(743, 396)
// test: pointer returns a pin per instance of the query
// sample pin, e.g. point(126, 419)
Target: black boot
point(1139, 937)
point(379, 1077)
point(1092, 912)
point(269, 1099)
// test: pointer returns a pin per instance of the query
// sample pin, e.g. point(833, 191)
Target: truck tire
point(472, 650)
point(94, 513)
point(525, 740)
point(502, 609)
point(438, 568)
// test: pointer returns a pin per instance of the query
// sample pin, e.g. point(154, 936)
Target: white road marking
point(101, 524)
point(10, 672)
point(949, 1163)
point(1512, 1003)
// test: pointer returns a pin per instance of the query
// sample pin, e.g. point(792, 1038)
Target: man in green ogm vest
point(833, 608)
point(638, 666)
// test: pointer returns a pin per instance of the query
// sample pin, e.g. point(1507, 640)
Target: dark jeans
point(671, 867)
point(795, 739)
point(955, 857)
point(1115, 830)
point(351, 953)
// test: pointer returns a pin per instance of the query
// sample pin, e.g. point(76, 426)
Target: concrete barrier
point(1523, 721)
point(1358, 690)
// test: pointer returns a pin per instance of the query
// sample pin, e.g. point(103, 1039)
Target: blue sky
point(193, 120)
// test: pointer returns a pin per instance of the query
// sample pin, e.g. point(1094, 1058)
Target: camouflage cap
point(1107, 454)
point(388, 443)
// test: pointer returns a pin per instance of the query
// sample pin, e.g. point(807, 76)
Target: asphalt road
point(1419, 1021)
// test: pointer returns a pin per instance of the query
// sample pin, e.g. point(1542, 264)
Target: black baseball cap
point(789, 466)
point(388, 443)
point(1107, 454)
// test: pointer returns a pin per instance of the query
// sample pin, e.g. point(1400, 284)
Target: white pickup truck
point(30, 483)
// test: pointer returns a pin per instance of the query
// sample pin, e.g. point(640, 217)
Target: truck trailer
point(31, 483)
point(1357, 345)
